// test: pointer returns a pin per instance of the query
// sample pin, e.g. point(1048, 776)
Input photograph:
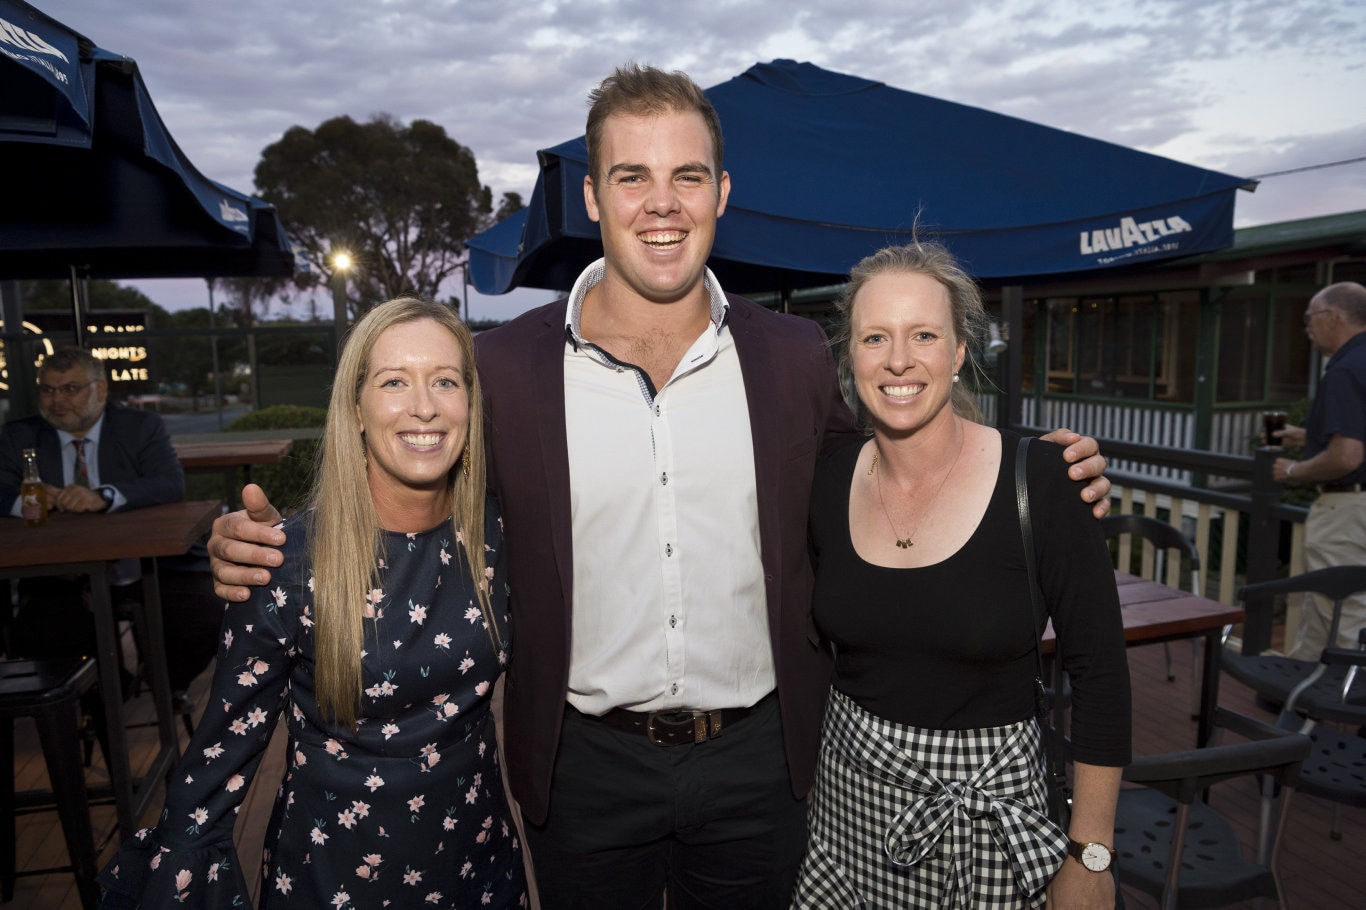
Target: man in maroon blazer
point(664, 697)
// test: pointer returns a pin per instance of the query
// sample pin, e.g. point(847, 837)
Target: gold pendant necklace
point(905, 543)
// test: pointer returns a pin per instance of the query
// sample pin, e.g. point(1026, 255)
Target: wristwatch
point(1095, 857)
point(107, 494)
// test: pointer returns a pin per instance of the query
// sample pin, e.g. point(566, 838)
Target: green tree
point(401, 200)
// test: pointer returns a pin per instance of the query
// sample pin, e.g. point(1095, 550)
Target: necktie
point(82, 473)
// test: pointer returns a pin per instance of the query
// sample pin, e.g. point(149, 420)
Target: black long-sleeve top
point(951, 645)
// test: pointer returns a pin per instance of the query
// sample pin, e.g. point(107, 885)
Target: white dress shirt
point(669, 598)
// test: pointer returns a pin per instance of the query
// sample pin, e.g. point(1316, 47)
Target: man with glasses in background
point(1333, 437)
point(95, 456)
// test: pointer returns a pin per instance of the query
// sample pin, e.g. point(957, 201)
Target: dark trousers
point(714, 824)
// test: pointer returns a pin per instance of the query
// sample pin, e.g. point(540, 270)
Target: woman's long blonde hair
point(346, 540)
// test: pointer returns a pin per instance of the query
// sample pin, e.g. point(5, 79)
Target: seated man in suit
point(99, 457)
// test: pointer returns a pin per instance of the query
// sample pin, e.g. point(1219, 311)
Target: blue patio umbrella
point(95, 185)
point(827, 168)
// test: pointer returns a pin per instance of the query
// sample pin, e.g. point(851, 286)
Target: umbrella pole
point(76, 295)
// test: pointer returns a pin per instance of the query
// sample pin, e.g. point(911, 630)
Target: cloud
point(1246, 86)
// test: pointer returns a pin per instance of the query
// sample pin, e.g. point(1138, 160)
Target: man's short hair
point(1347, 297)
point(67, 358)
point(635, 90)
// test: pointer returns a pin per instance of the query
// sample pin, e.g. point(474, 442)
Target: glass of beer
point(1272, 422)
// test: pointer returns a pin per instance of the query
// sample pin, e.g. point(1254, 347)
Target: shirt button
point(673, 622)
point(664, 478)
point(668, 549)
point(673, 690)
point(656, 410)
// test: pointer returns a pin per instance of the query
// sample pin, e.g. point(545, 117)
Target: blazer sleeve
point(138, 459)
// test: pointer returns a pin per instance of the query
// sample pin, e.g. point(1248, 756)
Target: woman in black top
point(930, 790)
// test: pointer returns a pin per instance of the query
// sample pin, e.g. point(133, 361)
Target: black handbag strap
point(1027, 535)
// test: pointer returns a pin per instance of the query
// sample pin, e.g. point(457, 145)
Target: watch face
point(1095, 857)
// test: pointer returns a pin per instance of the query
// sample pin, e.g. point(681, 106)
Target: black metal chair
point(49, 691)
point(1166, 541)
point(1272, 676)
point(1173, 846)
point(1327, 695)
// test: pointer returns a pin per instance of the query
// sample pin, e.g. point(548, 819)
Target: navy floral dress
point(407, 810)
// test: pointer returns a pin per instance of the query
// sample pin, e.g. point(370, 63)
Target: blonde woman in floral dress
point(379, 644)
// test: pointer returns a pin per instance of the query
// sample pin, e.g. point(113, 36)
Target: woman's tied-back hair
point(635, 91)
point(347, 542)
point(933, 259)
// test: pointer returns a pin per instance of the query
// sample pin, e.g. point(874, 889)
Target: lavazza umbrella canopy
point(827, 168)
point(94, 183)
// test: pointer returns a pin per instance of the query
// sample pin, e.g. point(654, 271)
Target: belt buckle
point(699, 725)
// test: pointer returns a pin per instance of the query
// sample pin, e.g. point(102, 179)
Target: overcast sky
point(1249, 87)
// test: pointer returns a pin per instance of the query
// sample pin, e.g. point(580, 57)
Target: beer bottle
point(33, 493)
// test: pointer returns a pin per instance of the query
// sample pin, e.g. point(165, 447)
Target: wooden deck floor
point(1316, 871)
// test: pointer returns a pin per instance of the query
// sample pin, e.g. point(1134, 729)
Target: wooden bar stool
point(49, 691)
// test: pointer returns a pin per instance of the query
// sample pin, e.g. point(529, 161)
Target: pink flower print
point(300, 758)
point(442, 640)
point(258, 666)
point(467, 664)
point(362, 810)
point(482, 749)
point(238, 726)
point(257, 716)
point(471, 796)
point(283, 883)
point(306, 619)
point(334, 748)
point(433, 898)
point(199, 816)
point(310, 584)
point(432, 760)
point(374, 781)
point(363, 872)
point(466, 869)
point(347, 819)
point(398, 643)
point(227, 639)
point(213, 872)
point(389, 730)
point(411, 877)
point(445, 557)
point(459, 536)
point(182, 881)
point(235, 783)
point(416, 803)
point(486, 898)
point(280, 596)
point(417, 613)
point(245, 678)
point(214, 751)
point(472, 614)
point(448, 823)
point(372, 600)
point(156, 860)
point(481, 688)
point(372, 859)
point(317, 835)
point(341, 899)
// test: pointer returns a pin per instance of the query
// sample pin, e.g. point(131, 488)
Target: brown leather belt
point(1340, 488)
point(676, 728)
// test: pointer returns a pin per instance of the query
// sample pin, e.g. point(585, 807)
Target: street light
point(341, 264)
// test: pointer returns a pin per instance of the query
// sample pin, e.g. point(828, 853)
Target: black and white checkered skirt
point(907, 817)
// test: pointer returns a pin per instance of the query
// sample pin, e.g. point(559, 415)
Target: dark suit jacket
point(135, 457)
point(795, 408)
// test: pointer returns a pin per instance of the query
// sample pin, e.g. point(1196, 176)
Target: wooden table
point(228, 454)
point(1154, 612)
point(84, 544)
